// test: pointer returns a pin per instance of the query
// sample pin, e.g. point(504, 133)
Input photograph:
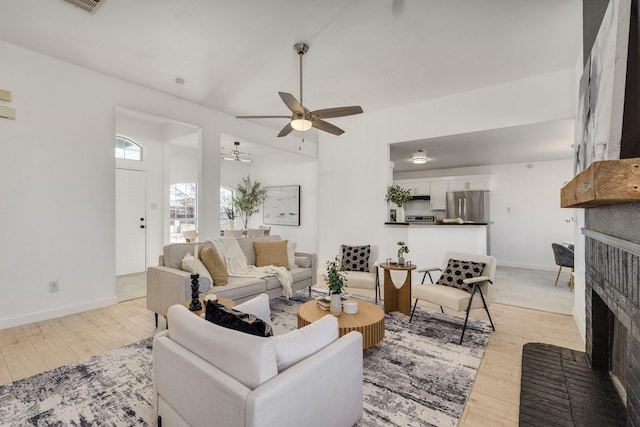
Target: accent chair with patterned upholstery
point(464, 276)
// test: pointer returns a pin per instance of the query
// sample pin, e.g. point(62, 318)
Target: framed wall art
point(281, 205)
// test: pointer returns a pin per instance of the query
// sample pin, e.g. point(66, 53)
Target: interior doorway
point(131, 236)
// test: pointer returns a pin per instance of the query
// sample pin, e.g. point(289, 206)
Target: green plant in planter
point(335, 278)
point(230, 213)
point(249, 195)
point(397, 195)
point(403, 249)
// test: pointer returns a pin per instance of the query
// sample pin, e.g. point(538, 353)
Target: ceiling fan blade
point(286, 130)
point(292, 103)
point(326, 126)
point(328, 113)
point(263, 117)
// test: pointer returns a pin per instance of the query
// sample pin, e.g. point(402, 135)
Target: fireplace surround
point(612, 286)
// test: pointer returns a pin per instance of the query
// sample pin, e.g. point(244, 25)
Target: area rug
point(417, 376)
point(111, 389)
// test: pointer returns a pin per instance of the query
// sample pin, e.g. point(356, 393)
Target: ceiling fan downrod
point(301, 48)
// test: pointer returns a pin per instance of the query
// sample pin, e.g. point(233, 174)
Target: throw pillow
point(271, 253)
point(236, 320)
point(205, 281)
point(355, 258)
point(291, 254)
point(258, 306)
point(457, 271)
point(299, 344)
point(214, 265)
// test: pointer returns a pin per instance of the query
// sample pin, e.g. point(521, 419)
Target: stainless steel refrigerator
point(471, 206)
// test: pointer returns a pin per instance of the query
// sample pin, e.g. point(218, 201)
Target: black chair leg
point(442, 309)
point(414, 310)
point(464, 328)
point(486, 309)
point(309, 291)
point(156, 314)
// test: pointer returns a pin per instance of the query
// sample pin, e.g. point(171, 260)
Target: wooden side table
point(369, 320)
point(397, 299)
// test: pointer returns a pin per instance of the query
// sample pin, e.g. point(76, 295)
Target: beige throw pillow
point(271, 253)
point(215, 266)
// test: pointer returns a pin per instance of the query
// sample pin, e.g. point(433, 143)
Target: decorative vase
point(336, 304)
point(399, 214)
point(231, 224)
point(401, 260)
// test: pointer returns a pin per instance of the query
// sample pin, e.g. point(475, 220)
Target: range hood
point(419, 197)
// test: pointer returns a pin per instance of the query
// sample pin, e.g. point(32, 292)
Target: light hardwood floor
point(30, 349)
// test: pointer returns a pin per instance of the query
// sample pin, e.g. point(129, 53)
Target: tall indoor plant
point(336, 281)
point(398, 196)
point(248, 197)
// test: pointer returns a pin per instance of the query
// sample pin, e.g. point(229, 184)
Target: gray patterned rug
point(417, 376)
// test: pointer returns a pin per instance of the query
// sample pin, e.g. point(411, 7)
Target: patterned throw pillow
point(355, 258)
point(457, 271)
point(237, 320)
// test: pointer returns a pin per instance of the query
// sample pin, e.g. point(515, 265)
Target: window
point(127, 148)
point(226, 198)
point(182, 210)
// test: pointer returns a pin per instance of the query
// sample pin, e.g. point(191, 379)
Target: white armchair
point(456, 292)
point(368, 279)
point(205, 374)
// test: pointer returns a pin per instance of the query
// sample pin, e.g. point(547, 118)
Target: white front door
point(131, 229)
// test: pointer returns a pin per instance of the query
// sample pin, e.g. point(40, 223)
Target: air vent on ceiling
point(88, 5)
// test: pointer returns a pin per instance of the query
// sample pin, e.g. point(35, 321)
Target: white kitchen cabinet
point(468, 184)
point(417, 186)
point(438, 192)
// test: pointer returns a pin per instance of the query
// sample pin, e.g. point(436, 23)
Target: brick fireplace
point(612, 281)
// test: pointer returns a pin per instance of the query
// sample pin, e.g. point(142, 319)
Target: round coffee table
point(369, 320)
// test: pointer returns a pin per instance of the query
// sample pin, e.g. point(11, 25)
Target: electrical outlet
point(54, 286)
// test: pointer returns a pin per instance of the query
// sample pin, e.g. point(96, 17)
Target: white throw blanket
point(236, 262)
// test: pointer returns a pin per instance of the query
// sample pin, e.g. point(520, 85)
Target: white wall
point(353, 170)
point(292, 169)
point(58, 168)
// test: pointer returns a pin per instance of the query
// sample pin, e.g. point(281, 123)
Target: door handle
point(142, 226)
point(141, 219)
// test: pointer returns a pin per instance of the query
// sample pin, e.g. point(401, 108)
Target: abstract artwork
point(601, 99)
point(282, 205)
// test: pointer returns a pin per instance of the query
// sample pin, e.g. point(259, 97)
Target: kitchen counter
point(433, 224)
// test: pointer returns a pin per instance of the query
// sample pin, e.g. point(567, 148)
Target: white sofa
point(168, 284)
point(207, 375)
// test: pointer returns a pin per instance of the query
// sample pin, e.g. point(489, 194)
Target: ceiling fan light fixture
point(419, 157)
point(301, 125)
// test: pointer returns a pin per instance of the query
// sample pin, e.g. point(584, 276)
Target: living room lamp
point(419, 157)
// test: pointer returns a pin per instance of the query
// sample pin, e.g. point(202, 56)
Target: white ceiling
point(236, 56)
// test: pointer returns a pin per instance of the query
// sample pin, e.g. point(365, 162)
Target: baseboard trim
point(57, 312)
point(528, 266)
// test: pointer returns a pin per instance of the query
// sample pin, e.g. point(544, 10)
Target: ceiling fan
point(302, 119)
point(236, 154)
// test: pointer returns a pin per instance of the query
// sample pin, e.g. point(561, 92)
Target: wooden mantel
point(605, 182)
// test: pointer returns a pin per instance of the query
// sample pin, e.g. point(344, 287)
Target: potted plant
point(249, 195)
point(231, 215)
point(403, 249)
point(398, 196)
point(336, 281)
